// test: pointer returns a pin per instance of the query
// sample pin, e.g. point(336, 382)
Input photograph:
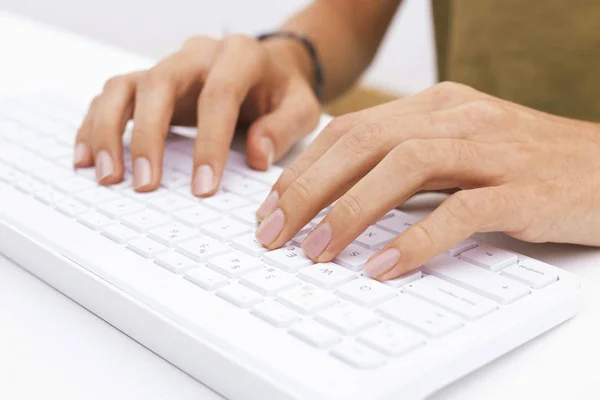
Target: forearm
point(346, 33)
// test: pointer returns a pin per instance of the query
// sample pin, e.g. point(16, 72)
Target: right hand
point(211, 84)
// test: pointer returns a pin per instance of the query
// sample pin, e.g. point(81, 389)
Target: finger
point(156, 96)
point(112, 111)
point(272, 135)
point(493, 208)
point(82, 155)
point(237, 68)
point(408, 168)
point(442, 96)
point(346, 162)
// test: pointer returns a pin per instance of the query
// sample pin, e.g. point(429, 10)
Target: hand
point(213, 84)
point(532, 175)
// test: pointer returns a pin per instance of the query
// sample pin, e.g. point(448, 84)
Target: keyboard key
point(275, 313)
point(249, 244)
point(463, 246)
point(315, 334)
point(206, 278)
point(96, 195)
point(144, 197)
point(404, 279)
point(120, 207)
point(347, 318)
point(239, 295)
point(326, 275)
point(119, 233)
point(225, 229)
point(196, 216)
point(173, 179)
point(175, 262)
point(451, 297)
point(419, 315)
point(201, 248)
point(488, 284)
point(172, 233)
point(366, 292)
point(489, 257)
point(241, 185)
point(73, 184)
point(169, 203)
point(391, 339)
point(51, 173)
point(288, 258)
point(71, 207)
point(234, 264)
point(94, 220)
point(30, 185)
point(397, 222)
point(225, 202)
point(145, 220)
point(268, 177)
point(88, 173)
point(306, 299)
point(11, 176)
point(269, 281)
point(533, 273)
point(50, 196)
point(357, 355)
point(246, 214)
point(353, 257)
point(374, 238)
point(146, 247)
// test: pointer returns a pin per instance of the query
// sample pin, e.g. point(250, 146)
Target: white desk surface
point(50, 347)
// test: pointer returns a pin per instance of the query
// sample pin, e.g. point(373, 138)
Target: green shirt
point(542, 54)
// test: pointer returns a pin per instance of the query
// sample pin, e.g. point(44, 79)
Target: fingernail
point(142, 172)
point(382, 263)
point(81, 151)
point(104, 165)
point(269, 149)
point(268, 206)
point(204, 180)
point(270, 228)
point(316, 241)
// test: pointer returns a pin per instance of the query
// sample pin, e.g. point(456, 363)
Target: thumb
point(273, 134)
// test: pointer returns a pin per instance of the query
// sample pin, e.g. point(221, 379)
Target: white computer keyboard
point(196, 265)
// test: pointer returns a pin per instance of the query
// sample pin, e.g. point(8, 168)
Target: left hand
point(530, 174)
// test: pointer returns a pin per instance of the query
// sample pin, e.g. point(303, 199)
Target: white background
point(406, 62)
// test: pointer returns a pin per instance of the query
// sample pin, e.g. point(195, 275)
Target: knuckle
point(364, 138)
point(155, 78)
point(464, 208)
point(445, 93)
point(301, 189)
point(114, 83)
point(451, 87)
point(349, 208)
point(423, 235)
point(193, 42)
point(341, 125)
point(287, 177)
point(415, 158)
point(240, 41)
point(484, 111)
point(221, 89)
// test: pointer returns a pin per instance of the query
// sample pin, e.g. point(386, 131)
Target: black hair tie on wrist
point(312, 51)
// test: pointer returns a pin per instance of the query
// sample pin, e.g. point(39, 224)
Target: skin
point(513, 169)
point(218, 85)
point(530, 174)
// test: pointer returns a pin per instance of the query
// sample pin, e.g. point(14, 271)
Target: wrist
point(294, 57)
